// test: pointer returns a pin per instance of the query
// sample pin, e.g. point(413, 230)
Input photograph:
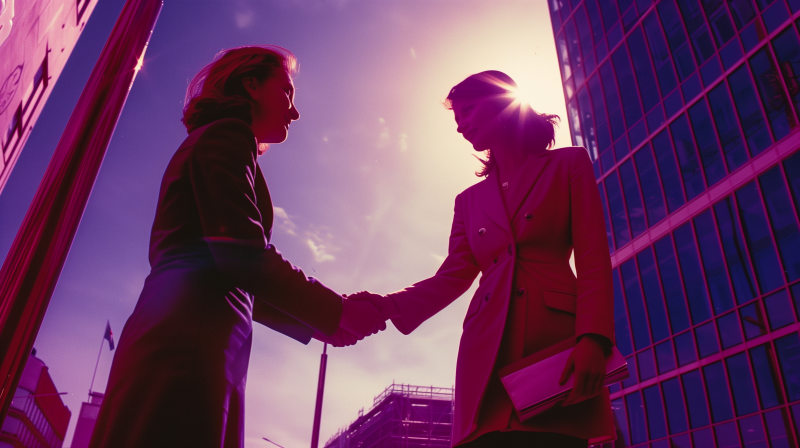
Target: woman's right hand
point(360, 318)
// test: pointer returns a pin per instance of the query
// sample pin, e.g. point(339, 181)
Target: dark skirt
point(524, 439)
point(179, 372)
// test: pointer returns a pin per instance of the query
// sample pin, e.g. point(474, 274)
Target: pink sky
point(365, 183)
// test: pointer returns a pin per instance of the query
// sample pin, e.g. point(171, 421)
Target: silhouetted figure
point(518, 228)
point(178, 377)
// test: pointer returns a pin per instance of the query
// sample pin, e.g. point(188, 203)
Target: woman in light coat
point(518, 228)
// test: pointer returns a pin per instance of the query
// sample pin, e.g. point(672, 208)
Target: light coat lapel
point(491, 202)
point(523, 181)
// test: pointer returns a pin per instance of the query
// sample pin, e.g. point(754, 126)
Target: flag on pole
point(109, 336)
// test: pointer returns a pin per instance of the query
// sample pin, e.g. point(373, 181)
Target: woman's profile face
point(477, 121)
point(274, 107)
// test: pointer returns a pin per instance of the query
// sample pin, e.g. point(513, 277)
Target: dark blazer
point(528, 298)
point(178, 377)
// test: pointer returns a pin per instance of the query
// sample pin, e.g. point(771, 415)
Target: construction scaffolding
point(402, 416)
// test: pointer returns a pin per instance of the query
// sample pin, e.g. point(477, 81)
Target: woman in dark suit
point(518, 228)
point(178, 377)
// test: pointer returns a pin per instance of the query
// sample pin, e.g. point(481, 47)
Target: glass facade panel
point(655, 412)
point(752, 117)
point(716, 272)
point(684, 345)
point(739, 267)
point(636, 416)
point(616, 206)
point(651, 185)
point(707, 145)
point(668, 168)
point(718, 392)
point(676, 409)
point(783, 220)
point(792, 167)
point(727, 124)
point(773, 98)
point(645, 76)
point(621, 326)
point(744, 395)
point(753, 321)
point(612, 101)
point(787, 51)
point(743, 12)
point(609, 229)
point(636, 310)
point(707, 340)
point(647, 365)
point(687, 157)
point(600, 116)
point(621, 421)
point(788, 349)
point(753, 432)
point(676, 37)
point(693, 279)
point(762, 249)
point(665, 357)
point(671, 281)
point(729, 331)
point(633, 199)
point(653, 296)
point(779, 310)
point(695, 394)
point(764, 370)
point(631, 105)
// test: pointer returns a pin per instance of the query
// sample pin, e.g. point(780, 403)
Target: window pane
point(727, 126)
point(687, 157)
point(629, 95)
point(633, 294)
point(571, 37)
point(665, 357)
point(644, 69)
point(651, 185)
point(753, 321)
point(662, 57)
point(686, 350)
point(676, 37)
point(609, 11)
point(621, 421)
point(784, 222)
point(759, 240)
point(693, 278)
point(613, 104)
point(647, 365)
point(722, 25)
point(616, 205)
point(727, 436)
point(587, 123)
point(744, 396)
point(718, 393)
point(707, 340)
point(673, 290)
point(584, 32)
point(662, 145)
point(772, 95)
point(597, 23)
point(600, 116)
point(716, 272)
point(703, 437)
point(792, 167)
point(653, 295)
point(787, 50)
point(779, 309)
point(762, 360)
point(707, 143)
point(621, 327)
point(735, 253)
point(729, 330)
point(788, 348)
point(633, 199)
point(655, 412)
point(753, 432)
point(777, 429)
point(676, 410)
point(605, 215)
point(743, 12)
point(747, 104)
point(796, 295)
point(695, 394)
point(636, 418)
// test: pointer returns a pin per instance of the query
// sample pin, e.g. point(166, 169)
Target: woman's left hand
point(588, 362)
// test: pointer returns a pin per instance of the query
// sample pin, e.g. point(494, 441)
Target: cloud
point(318, 242)
point(243, 18)
point(285, 223)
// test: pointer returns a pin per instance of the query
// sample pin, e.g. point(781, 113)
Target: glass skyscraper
point(689, 110)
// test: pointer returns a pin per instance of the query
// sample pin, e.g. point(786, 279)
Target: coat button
point(521, 292)
point(495, 260)
point(481, 231)
point(529, 216)
point(486, 298)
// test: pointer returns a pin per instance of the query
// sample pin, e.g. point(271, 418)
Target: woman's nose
point(461, 128)
point(293, 113)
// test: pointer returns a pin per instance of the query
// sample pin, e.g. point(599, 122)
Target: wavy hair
point(217, 91)
point(534, 130)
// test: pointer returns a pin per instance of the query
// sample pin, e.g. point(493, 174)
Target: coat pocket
point(562, 301)
point(481, 295)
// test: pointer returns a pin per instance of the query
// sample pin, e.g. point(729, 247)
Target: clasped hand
point(588, 362)
point(361, 317)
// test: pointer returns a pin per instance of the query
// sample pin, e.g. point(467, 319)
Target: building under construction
point(402, 416)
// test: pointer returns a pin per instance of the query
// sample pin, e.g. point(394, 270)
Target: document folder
point(532, 382)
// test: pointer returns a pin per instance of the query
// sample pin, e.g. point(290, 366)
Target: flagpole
point(102, 341)
point(323, 364)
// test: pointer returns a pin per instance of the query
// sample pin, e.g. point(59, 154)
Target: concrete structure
point(689, 110)
point(36, 38)
point(37, 417)
point(86, 421)
point(402, 416)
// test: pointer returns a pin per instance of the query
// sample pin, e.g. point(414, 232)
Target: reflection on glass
point(744, 396)
point(655, 412)
point(764, 369)
point(753, 321)
point(779, 309)
point(636, 310)
point(759, 238)
point(665, 357)
point(787, 51)
point(727, 126)
point(687, 157)
point(687, 352)
point(727, 436)
point(753, 432)
point(621, 421)
point(671, 282)
point(695, 395)
point(788, 349)
point(729, 330)
point(636, 418)
point(647, 366)
point(707, 144)
point(739, 267)
point(779, 111)
point(653, 295)
point(750, 113)
point(718, 393)
point(676, 410)
point(662, 146)
point(693, 278)
point(777, 430)
point(707, 339)
point(783, 220)
point(716, 272)
point(651, 185)
point(621, 327)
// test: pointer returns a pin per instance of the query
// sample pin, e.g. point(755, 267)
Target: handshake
point(363, 314)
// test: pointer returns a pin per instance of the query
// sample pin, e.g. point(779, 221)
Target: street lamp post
point(323, 364)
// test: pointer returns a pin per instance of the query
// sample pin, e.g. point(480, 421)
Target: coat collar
point(263, 202)
point(520, 185)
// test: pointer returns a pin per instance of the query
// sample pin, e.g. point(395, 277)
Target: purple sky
point(365, 183)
